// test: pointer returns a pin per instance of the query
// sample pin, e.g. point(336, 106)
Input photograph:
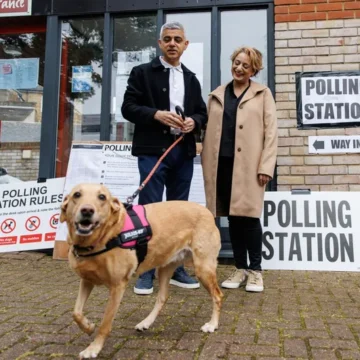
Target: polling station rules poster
point(29, 214)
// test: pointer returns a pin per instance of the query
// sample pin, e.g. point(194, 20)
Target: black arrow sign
point(319, 145)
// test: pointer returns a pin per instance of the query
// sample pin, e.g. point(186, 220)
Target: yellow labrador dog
point(182, 231)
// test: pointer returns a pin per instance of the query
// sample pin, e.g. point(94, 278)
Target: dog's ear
point(63, 209)
point(115, 205)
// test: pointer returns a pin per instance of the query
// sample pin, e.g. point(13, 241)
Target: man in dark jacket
point(154, 90)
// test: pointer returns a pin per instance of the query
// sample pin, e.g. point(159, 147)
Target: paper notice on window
point(128, 59)
point(121, 84)
point(193, 59)
point(81, 79)
point(19, 73)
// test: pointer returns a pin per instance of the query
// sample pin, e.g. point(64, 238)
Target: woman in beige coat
point(238, 158)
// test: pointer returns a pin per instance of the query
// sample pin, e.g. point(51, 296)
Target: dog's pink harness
point(134, 236)
point(136, 227)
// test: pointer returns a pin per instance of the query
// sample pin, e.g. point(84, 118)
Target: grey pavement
point(300, 315)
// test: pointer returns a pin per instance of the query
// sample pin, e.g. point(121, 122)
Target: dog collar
point(77, 248)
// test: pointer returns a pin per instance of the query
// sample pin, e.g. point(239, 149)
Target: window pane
point(243, 28)
point(21, 95)
point(197, 57)
point(80, 85)
point(134, 44)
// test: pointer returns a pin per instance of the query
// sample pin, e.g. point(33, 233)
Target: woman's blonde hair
point(254, 54)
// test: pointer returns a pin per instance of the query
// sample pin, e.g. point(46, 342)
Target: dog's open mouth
point(85, 227)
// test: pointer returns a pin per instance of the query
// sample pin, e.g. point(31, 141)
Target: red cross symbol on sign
point(32, 223)
point(8, 226)
point(54, 220)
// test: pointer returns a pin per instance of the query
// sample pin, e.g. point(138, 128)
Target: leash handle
point(180, 111)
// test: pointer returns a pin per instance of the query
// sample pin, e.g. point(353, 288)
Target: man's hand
point(188, 125)
point(169, 118)
point(263, 179)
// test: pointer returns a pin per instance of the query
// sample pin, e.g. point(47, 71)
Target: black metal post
point(105, 118)
point(49, 120)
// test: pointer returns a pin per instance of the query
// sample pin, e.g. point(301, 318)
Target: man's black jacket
point(148, 92)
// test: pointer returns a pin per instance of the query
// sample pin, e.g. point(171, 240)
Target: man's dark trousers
point(175, 172)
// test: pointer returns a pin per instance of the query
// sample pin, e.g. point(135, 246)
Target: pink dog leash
point(131, 198)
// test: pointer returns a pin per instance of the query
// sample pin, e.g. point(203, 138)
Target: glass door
point(80, 85)
point(243, 28)
point(22, 53)
point(134, 44)
point(197, 57)
point(240, 28)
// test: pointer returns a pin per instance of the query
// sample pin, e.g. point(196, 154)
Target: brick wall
point(23, 169)
point(309, 10)
point(313, 46)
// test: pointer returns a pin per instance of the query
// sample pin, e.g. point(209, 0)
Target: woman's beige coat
point(255, 149)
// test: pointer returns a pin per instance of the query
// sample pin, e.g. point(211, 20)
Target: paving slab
point(301, 315)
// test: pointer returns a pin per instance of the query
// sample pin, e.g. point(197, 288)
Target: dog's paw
point(89, 353)
point(208, 328)
point(142, 326)
point(89, 329)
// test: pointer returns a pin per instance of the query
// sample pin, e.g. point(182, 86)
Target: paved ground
point(301, 315)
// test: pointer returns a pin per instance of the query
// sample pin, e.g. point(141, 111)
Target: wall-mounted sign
point(15, 7)
point(334, 144)
point(328, 99)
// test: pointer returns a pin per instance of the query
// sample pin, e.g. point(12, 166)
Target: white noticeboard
point(334, 144)
point(113, 165)
point(320, 231)
point(29, 214)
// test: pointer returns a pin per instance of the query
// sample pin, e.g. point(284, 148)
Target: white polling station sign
point(328, 99)
point(319, 231)
point(334, 144)
point(29, 214)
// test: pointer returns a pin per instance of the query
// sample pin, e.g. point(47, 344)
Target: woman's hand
point(263, 179)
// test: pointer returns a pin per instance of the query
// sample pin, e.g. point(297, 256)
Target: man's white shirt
point(176, 86)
